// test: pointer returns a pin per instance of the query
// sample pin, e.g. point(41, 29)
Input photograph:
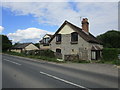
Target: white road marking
point(60, 79)
point(12, 62)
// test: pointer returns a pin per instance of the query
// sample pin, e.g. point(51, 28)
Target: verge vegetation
point(110, 56)
point(45, 55)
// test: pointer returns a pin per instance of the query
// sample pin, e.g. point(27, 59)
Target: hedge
point(46, 53)
point(110, 53)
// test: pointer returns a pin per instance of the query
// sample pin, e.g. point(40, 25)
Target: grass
point(115, 62)
point(80, 61)
point(36, 57)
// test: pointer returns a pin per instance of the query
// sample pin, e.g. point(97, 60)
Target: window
point(74, 37)
point(45, 40)
point(58, 50)
point(58, 38)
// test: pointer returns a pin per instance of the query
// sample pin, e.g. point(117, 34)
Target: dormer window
point(74, 37)
point(58, 38)
point(45, 41)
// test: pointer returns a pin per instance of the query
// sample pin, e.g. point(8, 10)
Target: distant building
point(21, 47)
point(44, 43)
point(71, 42)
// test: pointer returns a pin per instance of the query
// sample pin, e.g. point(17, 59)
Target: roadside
point(44, 57)
point(49, 56)
point(107, 69)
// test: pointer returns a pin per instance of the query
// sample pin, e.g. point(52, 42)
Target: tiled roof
point(49, 35)
point(20, 45)
point(94, 47)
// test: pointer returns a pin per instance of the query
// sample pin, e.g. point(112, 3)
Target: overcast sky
point(29, 21)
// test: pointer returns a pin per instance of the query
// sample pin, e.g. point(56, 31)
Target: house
point(21, 47)
point(71, 42)
point(44, 43)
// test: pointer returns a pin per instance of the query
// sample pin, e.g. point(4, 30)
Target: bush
point(15, 53)
point(47, 53)
point(31, 52)
point(117, 62)
point(110, 54)
point(31, 55)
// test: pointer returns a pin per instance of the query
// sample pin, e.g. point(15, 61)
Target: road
point(23, 73)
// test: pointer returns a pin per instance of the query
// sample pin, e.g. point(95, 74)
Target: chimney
point(85, 25)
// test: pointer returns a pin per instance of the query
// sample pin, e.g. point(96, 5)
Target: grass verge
point(114, 62)
point(35, 57)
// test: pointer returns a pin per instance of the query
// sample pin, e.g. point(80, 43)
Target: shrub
point(110, 54)
point(47, 53)
point(15, 53)
point(117, 62)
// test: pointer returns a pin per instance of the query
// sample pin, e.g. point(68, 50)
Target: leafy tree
point(110, 39)
point(37, 45)
point(6, 43)
point(16, 43)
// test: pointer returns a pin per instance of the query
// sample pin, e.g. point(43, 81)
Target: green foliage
point(35, 57)
point(47, 53)
point(37, 45)
point(110, 54)
point(83, 61)
point(15, 53)
point(6, 43)
point(116, 62)
point(110, 39)
point(16, 44)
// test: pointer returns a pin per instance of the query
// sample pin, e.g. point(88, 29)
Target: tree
point(16, 43)
point(110, 39)
point(37, 45)
point(6, 43)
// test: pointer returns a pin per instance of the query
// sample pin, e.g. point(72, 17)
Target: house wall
point(46, 36)
point(44, 47)
point(67, 48)
point(16, 50)
point(66, 30)
point(31, 47)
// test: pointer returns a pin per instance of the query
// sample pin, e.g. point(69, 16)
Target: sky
point(30, 21)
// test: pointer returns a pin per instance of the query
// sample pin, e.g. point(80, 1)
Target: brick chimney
point(85, 25)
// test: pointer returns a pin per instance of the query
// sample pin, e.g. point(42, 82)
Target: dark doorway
point(95, 55)
point(58, 50)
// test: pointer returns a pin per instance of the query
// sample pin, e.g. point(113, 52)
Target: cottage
point(71, 42)
point(44, 43)
point(21, 47)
